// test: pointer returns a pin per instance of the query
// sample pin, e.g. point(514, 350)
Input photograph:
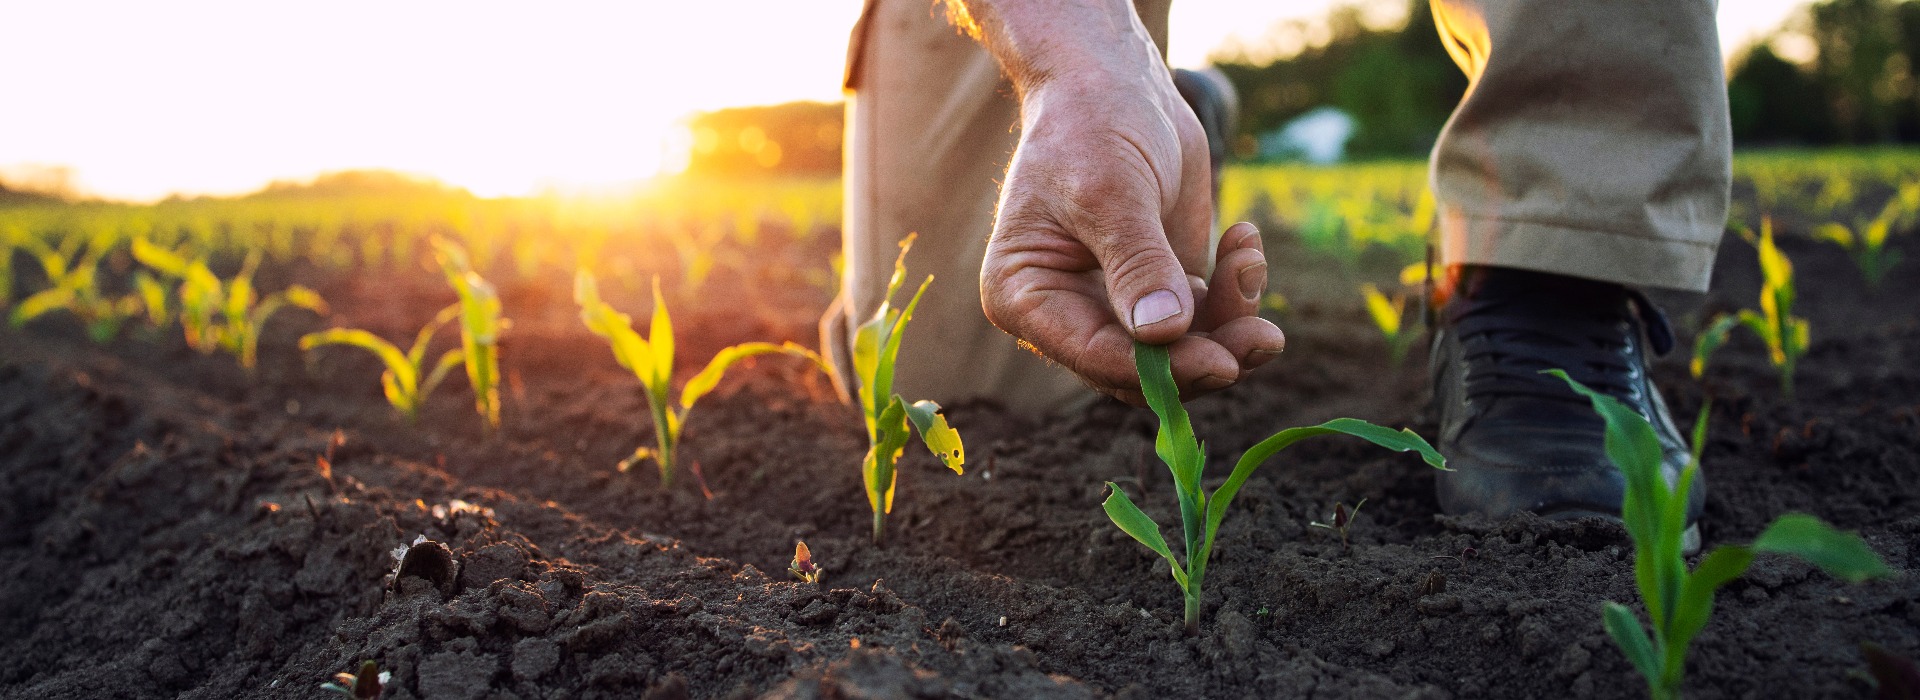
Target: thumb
point(1146, 283)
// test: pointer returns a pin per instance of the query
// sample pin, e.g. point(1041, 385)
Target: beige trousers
point(1593, 142)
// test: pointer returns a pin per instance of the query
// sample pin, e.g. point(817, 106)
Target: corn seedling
point(405, 387)
point(1342, 520)
point(246, 312)
point(876, 348)
point(365, 685)
point(803, 567)
point(1200, 513)
point(1678, 601)
point(74, 287)
point(1866, 242)
point(651, 360)
point(1785, 334)
point(216, 315)
point(480, 327)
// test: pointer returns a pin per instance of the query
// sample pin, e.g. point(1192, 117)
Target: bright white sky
point(219, 96)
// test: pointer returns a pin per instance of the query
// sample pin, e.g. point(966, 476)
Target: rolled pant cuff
point(1635, 261)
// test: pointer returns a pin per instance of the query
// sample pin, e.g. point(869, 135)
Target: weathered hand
point(1102, 238)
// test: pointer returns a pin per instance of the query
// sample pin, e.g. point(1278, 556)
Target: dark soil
point(171, 527)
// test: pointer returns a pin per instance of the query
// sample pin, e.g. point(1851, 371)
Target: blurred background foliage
point(1839, 73)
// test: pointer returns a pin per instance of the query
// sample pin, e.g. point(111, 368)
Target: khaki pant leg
point(931, 125)
point(1593, 140)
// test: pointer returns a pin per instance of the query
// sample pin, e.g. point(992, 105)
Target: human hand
point(1102, 237)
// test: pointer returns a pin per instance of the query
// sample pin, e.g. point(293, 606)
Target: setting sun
point(141, 100)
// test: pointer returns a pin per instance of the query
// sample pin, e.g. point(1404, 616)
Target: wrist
point(1070, 46)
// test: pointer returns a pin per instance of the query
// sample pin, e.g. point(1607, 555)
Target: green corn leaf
point(1695, 603)
point(404, 372)
point(418, 353)
point(1141, 528)
point(629, 349)
point(40, 303)
point(153, 297)
point(941, 439)
point(1632, 640)
point(448, 361)
point(1709, 342)
point(1634, 448)
point(1837, 233)
point(1174, 441)
point(640, 454)
point(164, 261)
point(1396, 440)
point(1842, 555)
point(704, 382)
point(1385, 313)
point(890, 347)
point(660, 337)
point(884, 454)
point(866, 364)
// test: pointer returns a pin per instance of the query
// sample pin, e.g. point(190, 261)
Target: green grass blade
point(660, 337)
point(40, 304)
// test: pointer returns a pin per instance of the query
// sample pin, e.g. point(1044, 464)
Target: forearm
point(1036, 42)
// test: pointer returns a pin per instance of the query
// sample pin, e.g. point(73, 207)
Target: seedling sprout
point(876, 347)
point(1678, 601)
point(480, 327)
point(651, 360)
point(1200, 513)
point(405, 386)
point(1342, 519)
point(365, 685)
point(803, 567)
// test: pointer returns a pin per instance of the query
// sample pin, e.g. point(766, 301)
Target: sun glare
point(140, 100)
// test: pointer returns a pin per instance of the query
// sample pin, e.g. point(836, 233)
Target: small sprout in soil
point(215, 314)
point(1200, 513)
point(406, 388)
point(803, 567)
point(1435, 583)
point(651, 360)
point(75, 289)
point(365, 685)
point(1785, 334)
point(1342, 520)
point(876, 347)
point(480, 327)
point(1678, 601)
point(1387, 314)
point(1866, 241)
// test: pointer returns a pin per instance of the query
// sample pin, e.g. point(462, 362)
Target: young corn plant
point(215, 314)
point(75, 288)
point(803, 566)
point(364, 685)
point(1866, 243)
point(1342, 520)
point(1200, 512)
point(651, 360)
point(246, 312)
point(1785, 334)
point(480, 327)
point(405, 385)
point(876, 349)
point(1679, 601)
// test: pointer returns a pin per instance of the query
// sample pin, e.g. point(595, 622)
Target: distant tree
point(792, 138)
point(1773, 101)
point(1398, 84)
point(1862, 65)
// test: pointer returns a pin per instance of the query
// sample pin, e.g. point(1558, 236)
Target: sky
point(142, 99)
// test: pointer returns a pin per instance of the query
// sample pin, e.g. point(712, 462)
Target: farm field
point(175, 525)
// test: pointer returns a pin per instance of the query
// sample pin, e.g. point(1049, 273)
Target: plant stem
point(879, 527)
point(1193, 613)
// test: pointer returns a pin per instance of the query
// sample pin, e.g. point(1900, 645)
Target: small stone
point(1439, 604)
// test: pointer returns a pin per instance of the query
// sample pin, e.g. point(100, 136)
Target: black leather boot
point(1519, 440)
